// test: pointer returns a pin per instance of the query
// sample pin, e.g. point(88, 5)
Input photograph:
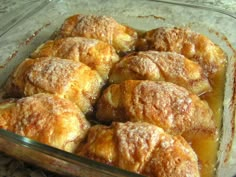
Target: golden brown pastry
point(141, 148)
point(98, 55)
point(46, 118)
point(65, 78)
point(164, 104)
point(168, 66)
point(104, 28)
point(192, 45)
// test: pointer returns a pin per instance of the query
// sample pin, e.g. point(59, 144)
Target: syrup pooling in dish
point(206, 148)
point(211, 57)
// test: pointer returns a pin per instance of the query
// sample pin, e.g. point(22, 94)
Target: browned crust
point(167, 105)
point(168, 66)
point(142, 148)
point(192, 45)
point(96, 54)
point(65, 78)
point(45, 118)
point(104, 28)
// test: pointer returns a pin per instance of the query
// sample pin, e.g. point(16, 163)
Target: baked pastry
point(141, 148)
point(45, 118)
point(98, 55)
point(65, 78)
point(104, 28)
point(139, 145)
point(164, 104)
point(192, 45)
point(168, 66)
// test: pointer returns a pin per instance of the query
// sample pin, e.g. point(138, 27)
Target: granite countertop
point(228, 5)
point(10, 167)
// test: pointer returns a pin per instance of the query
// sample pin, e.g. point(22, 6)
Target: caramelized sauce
point(206, 146)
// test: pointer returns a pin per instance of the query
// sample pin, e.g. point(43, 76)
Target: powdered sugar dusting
point(53, 75)
point(134, 67)
point(168, 66)
point(166, 143)
point(145, 148)
point(100, 27)
point(80, 44)
point(143, 134)
point(50, 120)
point(162, 103)
point(170, 63)
point(136, 141)
point(191, 44)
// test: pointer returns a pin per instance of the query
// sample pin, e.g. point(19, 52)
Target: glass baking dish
point(34, 24)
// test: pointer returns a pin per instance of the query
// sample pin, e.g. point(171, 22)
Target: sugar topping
point(168, 66)
point(141, 145)
point(100, 27)
point(53, 75)
point(81, 44)
point(170, 63)
point(136, 141)
point(191, 44)
point(142, 134)
point(161, 103)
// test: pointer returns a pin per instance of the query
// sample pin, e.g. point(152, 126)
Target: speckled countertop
point(10, 167)
point(229, 5)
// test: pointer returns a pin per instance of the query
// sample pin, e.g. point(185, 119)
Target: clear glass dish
point(36, 23)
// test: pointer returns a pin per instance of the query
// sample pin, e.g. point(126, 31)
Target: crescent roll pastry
point(45, 118)
point(168, 66)
point(141, 148)
point(104, 28)
point(192, 45)
point(98, 55)
point(65, 78)
point(164, 104)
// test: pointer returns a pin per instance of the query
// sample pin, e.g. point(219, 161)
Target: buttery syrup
point(206, 147)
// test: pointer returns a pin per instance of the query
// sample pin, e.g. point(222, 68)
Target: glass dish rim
point(44, 3)
point(69, 156)
point(62, 155)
